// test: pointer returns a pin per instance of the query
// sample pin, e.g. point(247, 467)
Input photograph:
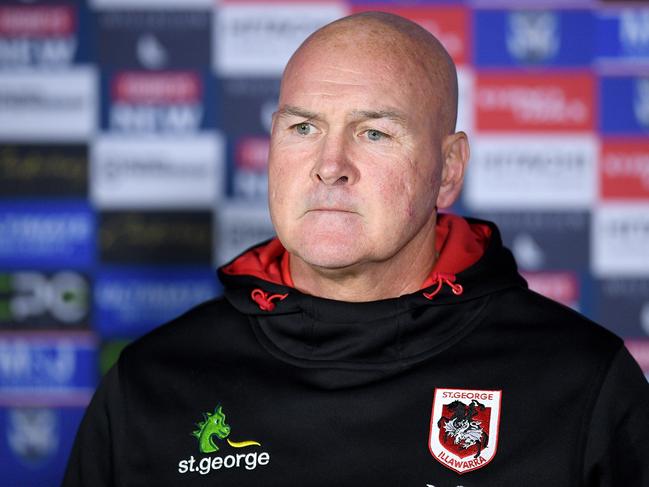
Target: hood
point(312, 332)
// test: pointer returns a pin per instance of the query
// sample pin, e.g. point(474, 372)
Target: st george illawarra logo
point(464, 428)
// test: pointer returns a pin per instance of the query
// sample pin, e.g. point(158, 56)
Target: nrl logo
point(464, 428)
point(641, 101)
point(532, 36)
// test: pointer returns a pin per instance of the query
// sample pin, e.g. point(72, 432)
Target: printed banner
point(256, 39)
point(61, 106)
point(46, 234)
point(535, 37)
point(132, 301)
point(47, 369)
point(44, 170)
point(156, 237)
point(156, 172)
point(535, 101)
point(35, 443)
point(169, 102)
point(532, 172)
point(154, 39)
point(34, 299)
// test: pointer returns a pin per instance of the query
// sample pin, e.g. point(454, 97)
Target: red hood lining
point(458, 243)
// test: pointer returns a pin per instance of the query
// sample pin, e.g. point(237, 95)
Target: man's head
point(362, 145)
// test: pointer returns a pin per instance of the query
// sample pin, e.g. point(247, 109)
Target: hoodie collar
point(385, 335)
point(458, 245)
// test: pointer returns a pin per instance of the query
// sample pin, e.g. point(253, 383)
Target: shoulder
point(538, 321)
point(199, 329)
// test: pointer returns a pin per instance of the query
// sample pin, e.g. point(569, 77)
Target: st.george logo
point(214, 425)
point(210, 431)
point(464, 428)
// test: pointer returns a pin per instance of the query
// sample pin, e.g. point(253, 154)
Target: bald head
point(405, 46)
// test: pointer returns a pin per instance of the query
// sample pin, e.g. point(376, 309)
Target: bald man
point(375, 341)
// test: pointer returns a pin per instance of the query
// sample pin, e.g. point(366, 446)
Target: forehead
point(360, 68)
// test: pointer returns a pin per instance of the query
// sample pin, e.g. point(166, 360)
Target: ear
point(455, 151)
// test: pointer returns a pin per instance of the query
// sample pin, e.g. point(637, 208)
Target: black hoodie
point(472, 381)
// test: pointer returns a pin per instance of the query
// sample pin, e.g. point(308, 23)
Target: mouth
point(334, 210)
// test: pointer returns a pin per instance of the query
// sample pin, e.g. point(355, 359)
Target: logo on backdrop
point(641, 101)
point(533, 36)
point(38, 299)
point(33, 434)
point(634, 31)
point(464, 428)
point(38, 35)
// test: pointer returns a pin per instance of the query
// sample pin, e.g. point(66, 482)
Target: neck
point(402, 273)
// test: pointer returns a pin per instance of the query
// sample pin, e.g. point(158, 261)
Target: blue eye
point(303, 128)
point(375, 135)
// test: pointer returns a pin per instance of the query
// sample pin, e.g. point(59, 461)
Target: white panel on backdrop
point(257, 39)
point(465, 82)
point(152, 4)
point(620, 240)
point(241, 226)
point(157, 172)
point(39, 105)
point(532, 172)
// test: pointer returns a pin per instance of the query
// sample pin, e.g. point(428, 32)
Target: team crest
point(464, 428)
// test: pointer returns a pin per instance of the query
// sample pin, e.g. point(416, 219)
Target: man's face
point(355, 157)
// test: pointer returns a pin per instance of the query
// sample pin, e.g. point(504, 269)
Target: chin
point(330, 251)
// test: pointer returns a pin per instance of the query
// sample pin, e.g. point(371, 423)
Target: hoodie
point(473, 380)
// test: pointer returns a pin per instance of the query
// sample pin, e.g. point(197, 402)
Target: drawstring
point(264, 300)
point(443, 278)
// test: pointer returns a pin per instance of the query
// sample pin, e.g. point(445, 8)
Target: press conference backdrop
point(134, 138)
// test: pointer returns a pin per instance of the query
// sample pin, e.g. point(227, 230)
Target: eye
point(375, 135)
point(303, 128)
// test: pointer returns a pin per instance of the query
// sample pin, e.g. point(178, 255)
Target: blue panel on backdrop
point(533, 37)
point(623, 35)
point(129, 302)
point(35, 444)
point(50, 36)
point(624, 105)
point(47, 368)
point(46, 234)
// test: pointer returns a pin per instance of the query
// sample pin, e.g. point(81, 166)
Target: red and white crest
point(464, 428)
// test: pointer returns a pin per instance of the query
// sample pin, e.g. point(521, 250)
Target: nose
point(334, 167)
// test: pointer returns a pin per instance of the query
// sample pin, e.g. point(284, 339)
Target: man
point(376, 342)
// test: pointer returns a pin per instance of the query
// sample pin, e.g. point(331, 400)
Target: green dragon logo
point(214, 424)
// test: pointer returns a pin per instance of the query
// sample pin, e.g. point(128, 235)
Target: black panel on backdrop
point(154, 39)
point(35, 299)
point(156, 237)
point(44, 170)
point(545, 240)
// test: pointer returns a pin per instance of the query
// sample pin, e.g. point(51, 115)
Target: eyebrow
point(376, 114)
point(298, 112)
point(356, 114)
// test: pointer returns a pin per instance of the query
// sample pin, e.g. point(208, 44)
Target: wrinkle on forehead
point(404, 46)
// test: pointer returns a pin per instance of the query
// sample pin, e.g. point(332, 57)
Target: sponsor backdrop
point(133, 146)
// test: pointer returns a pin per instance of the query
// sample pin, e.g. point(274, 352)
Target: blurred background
point(133, 145)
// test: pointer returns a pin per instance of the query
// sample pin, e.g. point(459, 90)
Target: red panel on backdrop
point(159, 87)
point(624, 169)
point(450, 24)
point(535, 101)
point(37, 20)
